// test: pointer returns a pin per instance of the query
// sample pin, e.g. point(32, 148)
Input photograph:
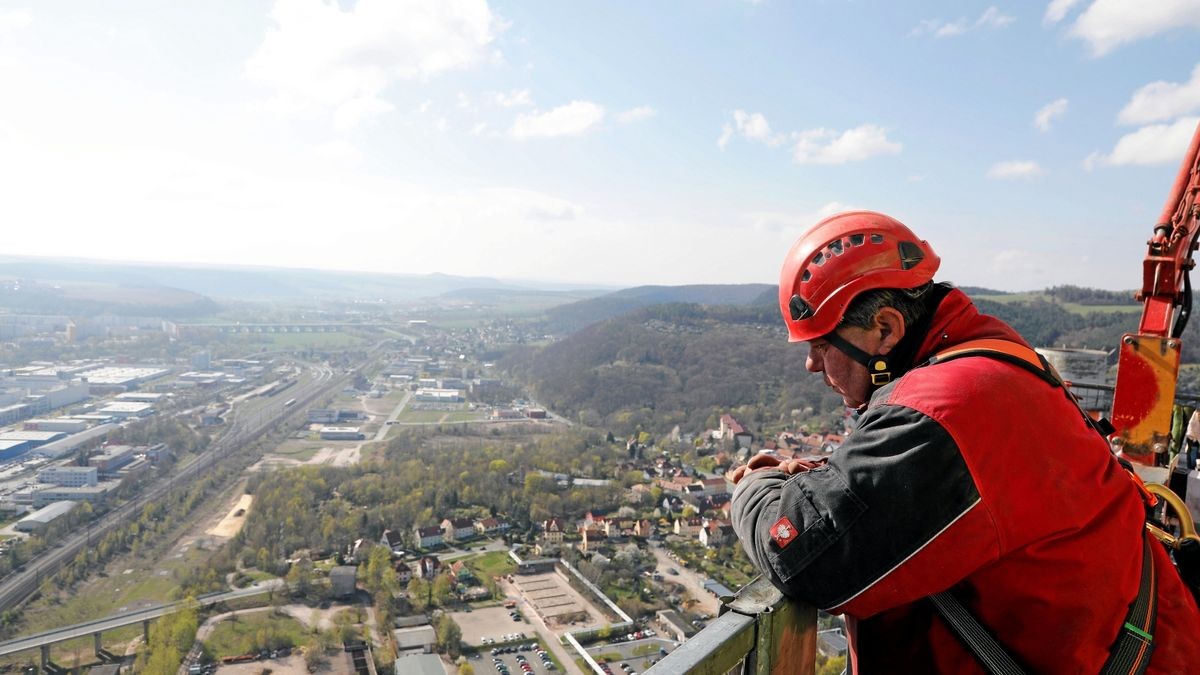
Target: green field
point(492, 564)
point(254, 631)
point(435, 416)
point(299, 450)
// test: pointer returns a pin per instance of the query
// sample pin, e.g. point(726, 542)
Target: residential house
point(392, 540)
point(643, 529)
point(457, 529)
point(428, 537)
point(552, 531)
point(591, 536)
point(490, 527)
point(461, 573)
point(404, 573)
point(428, 566)
point(716, 533)
point(732, 430)
point(688, 527)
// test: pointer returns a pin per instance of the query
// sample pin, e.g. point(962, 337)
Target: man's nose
point(813, 363)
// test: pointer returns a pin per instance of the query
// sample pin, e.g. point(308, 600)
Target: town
point(267, 496)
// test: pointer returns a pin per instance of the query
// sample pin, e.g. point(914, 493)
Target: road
point(383, 428)
point(127, 618)
point(693, 582)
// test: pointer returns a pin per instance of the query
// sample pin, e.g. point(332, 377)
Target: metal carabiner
point(1187, 527)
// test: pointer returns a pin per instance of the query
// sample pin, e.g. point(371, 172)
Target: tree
point(418, 593)
point(449, 635)
point(441, 589)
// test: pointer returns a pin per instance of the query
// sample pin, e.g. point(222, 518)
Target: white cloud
point(791, 224)
point(12, 20)
point(317, 55)
point(1154, 144)
point(642, 112)
point(513, 99)
point(339, 151)
point(752, 127)
point(571, 119)
point(828, 146)
point(1108, 24)
point(1057, 10)
point(1015, 169)
point(358, 110)
point(991, 18)
point(1159, 101)
point(1048, 113)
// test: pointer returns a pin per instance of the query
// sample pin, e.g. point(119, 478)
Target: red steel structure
point(1148, 366)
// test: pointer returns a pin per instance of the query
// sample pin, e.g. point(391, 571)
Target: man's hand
point(791, 467)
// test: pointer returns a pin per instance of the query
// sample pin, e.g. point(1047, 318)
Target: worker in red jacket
point(971, 477)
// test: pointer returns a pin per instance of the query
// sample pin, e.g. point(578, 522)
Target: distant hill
point(94, 299)
point(258, 283)
point(674, 364)
point(571, 317)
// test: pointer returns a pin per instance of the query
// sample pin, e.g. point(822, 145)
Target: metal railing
point(759, 632)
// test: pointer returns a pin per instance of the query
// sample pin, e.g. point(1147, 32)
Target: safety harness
point(1130, 653)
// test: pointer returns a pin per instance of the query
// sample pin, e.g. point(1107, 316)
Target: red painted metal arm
point(1149, 360)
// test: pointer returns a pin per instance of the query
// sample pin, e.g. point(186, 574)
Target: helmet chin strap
point(877, 366)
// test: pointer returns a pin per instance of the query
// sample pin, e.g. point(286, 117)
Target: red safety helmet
point(841, 257)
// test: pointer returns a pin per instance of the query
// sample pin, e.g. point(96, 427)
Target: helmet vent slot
point(911, 255)
point(877, 239)
point(857, 239)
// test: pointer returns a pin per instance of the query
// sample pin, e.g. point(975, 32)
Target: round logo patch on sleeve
point(783, 532)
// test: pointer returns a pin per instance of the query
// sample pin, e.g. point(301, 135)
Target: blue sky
point(615, 143)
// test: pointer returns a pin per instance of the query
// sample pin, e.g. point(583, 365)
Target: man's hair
point(910, 302)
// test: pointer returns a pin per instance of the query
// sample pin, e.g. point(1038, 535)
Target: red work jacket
point(977, 476)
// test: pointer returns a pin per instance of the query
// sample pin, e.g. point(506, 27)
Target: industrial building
point(341, 434)
point(428, 395)
point(126, 410)
point(93, 494)
point(69, 476)
point(39, 520)
point(140, 397)
point(111, 458)
point(322, 415)
point(73, 442)
point(119, 376)
point(33, 438)
point(68, 425)
point(10, 450)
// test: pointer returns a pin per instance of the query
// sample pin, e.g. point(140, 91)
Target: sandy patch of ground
point(232, 523)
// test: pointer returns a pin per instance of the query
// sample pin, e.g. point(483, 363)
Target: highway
point(241, 430)
point(126, 619)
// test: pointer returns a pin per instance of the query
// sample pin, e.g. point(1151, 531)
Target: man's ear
point(890, 323)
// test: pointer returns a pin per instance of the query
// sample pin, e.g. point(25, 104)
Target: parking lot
point(512, 657)
point(637, 655)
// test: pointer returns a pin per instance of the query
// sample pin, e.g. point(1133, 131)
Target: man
point(972, 475)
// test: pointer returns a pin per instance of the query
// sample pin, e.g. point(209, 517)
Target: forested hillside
point(674, 364)
point(571, 317)
point(681, 364)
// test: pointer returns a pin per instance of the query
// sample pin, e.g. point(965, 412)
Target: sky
point(593, 142)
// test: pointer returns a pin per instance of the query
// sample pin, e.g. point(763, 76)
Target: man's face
point(842, 373)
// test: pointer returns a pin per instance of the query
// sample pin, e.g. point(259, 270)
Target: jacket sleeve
point(893, 517)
